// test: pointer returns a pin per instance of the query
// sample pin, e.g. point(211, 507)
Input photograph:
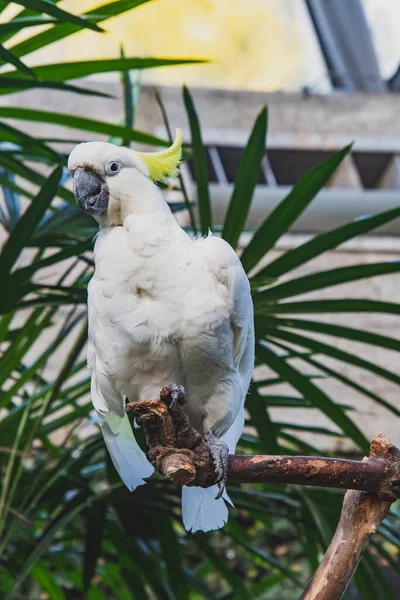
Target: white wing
point(200, 510)
point(128, 459)
point(224, 263)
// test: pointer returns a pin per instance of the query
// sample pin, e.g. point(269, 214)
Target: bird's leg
point(177, 393)
point(219, 453)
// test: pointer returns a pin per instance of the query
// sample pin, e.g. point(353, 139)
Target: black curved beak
point(90, 191)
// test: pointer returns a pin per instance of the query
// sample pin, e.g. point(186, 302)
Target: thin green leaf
point(324, 242)
point(20, 23)
point(8, 85)
point(313, 393)
point(306, 533)
point(218, 562)
point(317, 517)
point(299, 446)
point(267, 583)
point(48, 8)
point(345, 305)
point(321, 348)
point(261, 420)
point(95, 519)
point(243, 538)
point(22, 341)
point(27, 143)
point(66, 419)
point(200, 164)
point(324, 279)
point(391, 560)
point(5, 182)
point(284, 215)
point(8, 57)
point(63, 30)
point(27, 223)
point(349, 333)
point(68, 514)
point(350, 383)
point(172, 553)
point(72, 250)
point(307, 428)
point(13, 165)
point(365, 583)
point(5, 321)
point(12, 209)
point(47, 582)
point(75, 122)
point(246, 180)
point(7, 484)
point(128, 98)
point(188, 203)
point(375, 569)
point(76, 69)
point(291, 401)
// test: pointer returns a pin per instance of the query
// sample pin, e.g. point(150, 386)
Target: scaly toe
point(219, 454)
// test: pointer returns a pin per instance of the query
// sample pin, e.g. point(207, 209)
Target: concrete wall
point(309, 120)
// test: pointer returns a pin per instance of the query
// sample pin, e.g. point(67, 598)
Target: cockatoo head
point(106, 178)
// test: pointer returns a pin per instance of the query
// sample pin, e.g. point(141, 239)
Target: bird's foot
point(219, 453)
point(177, 393)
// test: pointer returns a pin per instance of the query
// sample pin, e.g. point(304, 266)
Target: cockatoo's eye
point(113, 168)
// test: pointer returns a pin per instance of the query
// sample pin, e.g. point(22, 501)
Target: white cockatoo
point(163, 308)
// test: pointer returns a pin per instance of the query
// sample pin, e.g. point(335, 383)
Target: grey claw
point(177, 394)
point(221, 486)
point(219, 453)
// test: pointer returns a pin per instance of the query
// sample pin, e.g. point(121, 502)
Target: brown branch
point(379, 474)
point(181, 454)
point(362, 513)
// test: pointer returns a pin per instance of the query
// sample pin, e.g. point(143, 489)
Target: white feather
point(128, 459)
point(200, 510)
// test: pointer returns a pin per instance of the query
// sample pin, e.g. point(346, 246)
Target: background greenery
point(68, 528)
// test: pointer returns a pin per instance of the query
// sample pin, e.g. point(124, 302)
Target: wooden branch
point(180, 453)
point(362, 513)
point(378, 475)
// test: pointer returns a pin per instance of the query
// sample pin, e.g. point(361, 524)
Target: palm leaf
point(317, 396)
point(349, 333)
point(28, 222)
point(63, 30)
point(83, 123)
point(48, 8)
point(246, 180)
point(324, 279)
point(285, 214)
point(59, 72)
point(324, 242)
point(200, 164)
point(8, 57)
point(345, 305)
point(321, 348)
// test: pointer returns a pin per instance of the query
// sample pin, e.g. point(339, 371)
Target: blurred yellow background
point(263, 45)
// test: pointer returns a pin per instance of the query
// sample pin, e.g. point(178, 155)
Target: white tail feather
point(200, 510)
point(129, 460)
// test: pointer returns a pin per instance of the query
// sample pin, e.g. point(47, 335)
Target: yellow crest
point(165, 163)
